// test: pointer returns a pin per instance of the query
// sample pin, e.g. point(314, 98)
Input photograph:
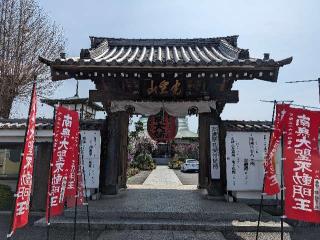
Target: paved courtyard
point(162, 208)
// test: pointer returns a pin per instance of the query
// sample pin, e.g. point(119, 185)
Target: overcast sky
point(282, 28)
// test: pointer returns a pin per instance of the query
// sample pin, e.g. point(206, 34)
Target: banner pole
point(77, 194)
point(281, 184)
point(262, 191)
point(50, 176)
point(10, 232)
point(85, 188)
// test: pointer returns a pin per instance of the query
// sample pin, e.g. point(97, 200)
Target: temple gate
point(180, 76)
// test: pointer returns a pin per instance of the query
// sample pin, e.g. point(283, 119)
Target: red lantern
point(162, 127)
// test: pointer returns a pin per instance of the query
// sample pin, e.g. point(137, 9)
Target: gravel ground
point(189, 178)
point(138, 178)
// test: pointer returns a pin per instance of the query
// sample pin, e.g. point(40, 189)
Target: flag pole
point(85, 188)
point(10, 232)
point(50, 175)
point(84, 179)
point(262, 191)
point(282, 185)
point(77, 190)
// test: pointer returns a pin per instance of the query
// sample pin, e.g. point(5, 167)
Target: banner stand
point(77, 195)
point(262, 191)
point(85, 189)
point(81, 164)
point(281, 184)
point(50, 176)
point(10, 232)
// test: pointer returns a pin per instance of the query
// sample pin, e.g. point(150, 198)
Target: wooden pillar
point(115, 149)
point(123, 154)
point(203, 149)
point(214, 187)
point(41, 173)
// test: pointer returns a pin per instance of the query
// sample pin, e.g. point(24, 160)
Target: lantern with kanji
point(162, 127)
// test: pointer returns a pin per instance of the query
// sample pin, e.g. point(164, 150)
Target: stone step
point(159, 235)
point(262, 236)
point(195, 216)
point(170, 225)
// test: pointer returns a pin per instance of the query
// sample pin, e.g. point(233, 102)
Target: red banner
point(66, 131)
point(302, 166)
point(75, 171)
point(271, 185)
point(21, 210)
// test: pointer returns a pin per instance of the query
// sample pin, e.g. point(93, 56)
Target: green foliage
point(137, 131)
point(175, 162)
point(6, 197)
point(143, 162)
point(132, 171)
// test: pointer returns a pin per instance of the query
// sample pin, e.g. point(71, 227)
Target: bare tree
point(26, 32)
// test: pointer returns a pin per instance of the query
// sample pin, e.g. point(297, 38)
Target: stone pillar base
point(215, 188)
point(110, 190)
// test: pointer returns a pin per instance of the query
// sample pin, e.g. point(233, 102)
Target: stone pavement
point(163, 177)
point(162, 208)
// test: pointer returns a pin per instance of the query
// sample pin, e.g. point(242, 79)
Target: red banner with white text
point(302, 166)
point(66, 131)
point(271, 185)
point(21, 210)
point(75, 183)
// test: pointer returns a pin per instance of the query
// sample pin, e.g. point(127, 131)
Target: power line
point(303, 81)
point(277, 101)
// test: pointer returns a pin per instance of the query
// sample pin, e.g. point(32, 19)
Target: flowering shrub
point(175, 163)
point(187, 150)
point(144, 161)
point(140, 149)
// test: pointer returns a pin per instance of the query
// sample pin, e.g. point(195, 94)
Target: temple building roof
point(183, 129)
point(47, 124)
point(72, 100)
point(206, 53)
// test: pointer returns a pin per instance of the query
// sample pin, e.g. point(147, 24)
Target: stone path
point(164, 178)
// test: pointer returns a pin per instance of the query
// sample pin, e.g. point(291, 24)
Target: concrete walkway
point(162, 177)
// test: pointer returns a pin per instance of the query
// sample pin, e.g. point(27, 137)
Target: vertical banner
point(214, 152)
point(66, 131)
point(22, 204)
point(71, 190)
point(302, 166)
point(271, 185)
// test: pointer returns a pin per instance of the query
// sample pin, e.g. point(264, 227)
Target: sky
point(282, 28)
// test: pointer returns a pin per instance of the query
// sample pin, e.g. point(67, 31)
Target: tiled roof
point(72, 100)
point(46, 124)
point(230, 125)
point(248, 126)
point(166, 52)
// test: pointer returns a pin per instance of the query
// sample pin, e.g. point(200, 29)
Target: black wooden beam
point(103, 96)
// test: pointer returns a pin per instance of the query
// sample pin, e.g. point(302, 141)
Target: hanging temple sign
point(200, 69)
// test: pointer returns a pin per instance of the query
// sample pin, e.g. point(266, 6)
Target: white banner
point(245, 153)
point(214, 152)
point(90, 153)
